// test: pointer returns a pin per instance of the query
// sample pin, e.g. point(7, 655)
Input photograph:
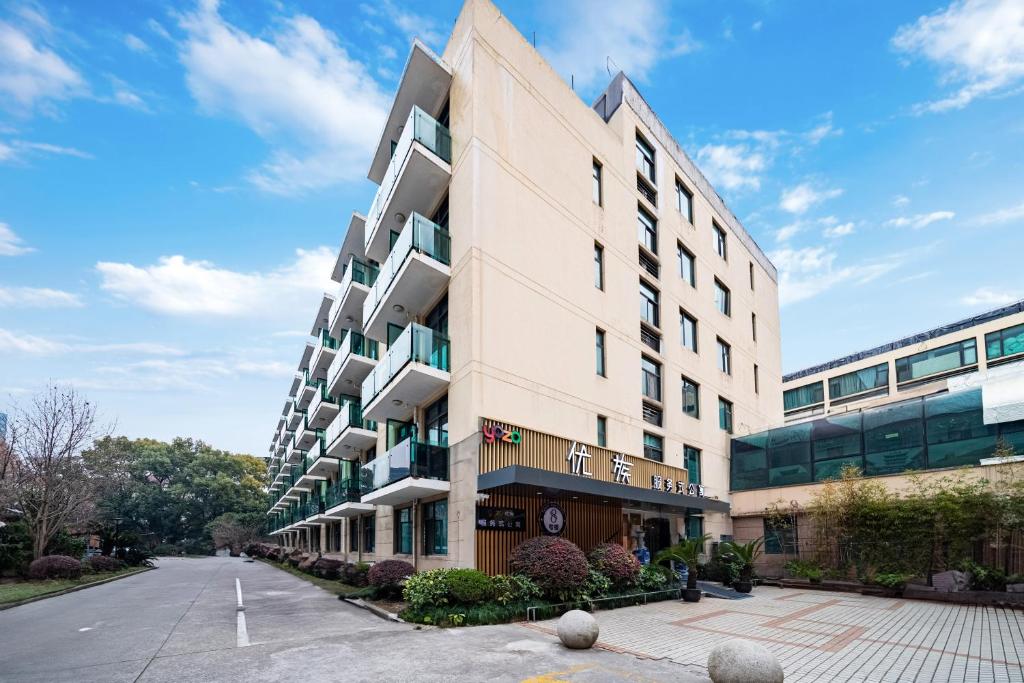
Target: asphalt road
point(180, 623)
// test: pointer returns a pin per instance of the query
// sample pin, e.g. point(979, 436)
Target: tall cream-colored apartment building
point(932, 402)
point(547, 321)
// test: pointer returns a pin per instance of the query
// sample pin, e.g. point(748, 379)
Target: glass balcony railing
point(321, 397)
point(344, 491)
point(351, 343)
point(351, 415)
point(416, 344)
point(326, 340)
point(314, 506)
point(359, 271)
point(410, 458)
point(419, 234)
point(419, 127)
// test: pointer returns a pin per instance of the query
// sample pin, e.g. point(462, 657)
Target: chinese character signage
point(659, 483)
point(579, 460)
point(500, 519)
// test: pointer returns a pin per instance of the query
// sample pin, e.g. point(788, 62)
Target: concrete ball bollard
point(577, 629)
point(743, 661)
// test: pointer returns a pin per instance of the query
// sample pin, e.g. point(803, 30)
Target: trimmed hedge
point(104, 563)
point(388, 575)
point(55, 567)
point(616, 563)
point(469, 586)
point(555, 564)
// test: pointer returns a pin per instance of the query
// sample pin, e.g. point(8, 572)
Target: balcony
point(291, 449)
point(412, 277)
point(307, 391)
point(415, 368)
point(350, 433)
point(344, 500)
point(316, 467)
point(323, 408)
point(415, 177)
point(356, 358)
point(326, 347)
point(347, 311)
point(408, 471)
point(306, 438)
point(294, 417)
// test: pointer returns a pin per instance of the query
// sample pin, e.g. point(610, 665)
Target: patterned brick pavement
point(823, 636)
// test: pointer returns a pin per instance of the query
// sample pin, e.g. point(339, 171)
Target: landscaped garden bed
point(57, 574)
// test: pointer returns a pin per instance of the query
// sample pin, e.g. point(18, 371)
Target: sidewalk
point(819, 635)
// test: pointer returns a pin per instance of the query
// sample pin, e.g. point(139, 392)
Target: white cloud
point(732, 167)
point(756, 26)
point(1010, 213)
point(787, 232)
point(10, 243)
point(32, 74)
point(41, 346)
point(296, 87)
point(411, 24)
point(805, 273)
point(823, 130)
point(178, 286)
point(802, 197)
point(37, 297)
point(921, 220)
point(900, 200)
point(593, 35)
point(841, 230)
point(19, 150)
point(992, 297)
point(136, 44)
point(978, 45)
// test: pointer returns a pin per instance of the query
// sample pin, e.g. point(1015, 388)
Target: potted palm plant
point(688, 552)
point(744, 555)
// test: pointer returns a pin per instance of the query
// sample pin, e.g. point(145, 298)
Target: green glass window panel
point(836, 437)
point(602, 431)
point(654, 447)
point(833, 469)
point(1008, 342)
point(691, 457)
point(435, 528)
point(1013, 434)
point(894, 438)
point(748, 464)
point(779, 539)
point(789, 455)
point(957, 434)
point(403, 534)
point(694, 525)
point(725, 415)
point(858, 382)
point(936, 361)
point(647, 230)
point(894, 461)
point(808, 395)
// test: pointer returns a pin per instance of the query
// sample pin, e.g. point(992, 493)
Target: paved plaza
point(824, 636)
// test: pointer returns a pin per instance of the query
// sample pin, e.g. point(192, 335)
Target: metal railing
point(410, 458)
point(416, 344)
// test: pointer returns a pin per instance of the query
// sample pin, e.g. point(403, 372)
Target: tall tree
point(49, 484)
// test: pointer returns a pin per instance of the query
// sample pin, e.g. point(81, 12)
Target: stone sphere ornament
point(743, 661)
point(577, 629)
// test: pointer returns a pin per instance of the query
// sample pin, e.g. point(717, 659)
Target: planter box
point(989, 598)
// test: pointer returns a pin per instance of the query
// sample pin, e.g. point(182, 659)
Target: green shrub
point(555, 564)
point(616, 563)
point(652, 578)
point(984, 578)
point(104, 563)
point(54, 567)
point(894, 581)
point(805, 569)
point(15, 548)
point(427, 590)
point(515, 588)
point(596, 586)
point(167, 550)
point(469, 586)
point(64, 543)
point(387, 576)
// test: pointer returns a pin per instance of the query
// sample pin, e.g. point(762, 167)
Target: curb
point(373, 609)
point(73, 589)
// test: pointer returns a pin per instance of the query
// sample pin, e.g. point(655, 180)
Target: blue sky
point(174, 183)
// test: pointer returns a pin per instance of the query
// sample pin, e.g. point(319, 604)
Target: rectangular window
point(725, 414)
point(645, 159)
point(650, 378)
point(647, 230)
point(649, 311)
point(684, 201)
point(691, 456)
point(1004, 343)
point(691, 398)
point(403, 531)
point(652, 414)
point(597, 183)
point(435, 528)
point(801, 397)
point(687, 266)
point(751, 275)
point(859, 382)
point(435, 422)
point(753, 326)
point(721, 248)
point(599, 351)
point(646, 191)
point(602, 431)
point(937, 361)
point(688, 331)
point(724, 357)
point(598, 266)
point(353, 535)
point(654, 447)
point(651, 339)
point(369, 533)
point(779, 538)
point(757, 380)
point(723, 298)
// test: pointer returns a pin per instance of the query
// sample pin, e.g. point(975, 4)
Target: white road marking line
point(242, 637)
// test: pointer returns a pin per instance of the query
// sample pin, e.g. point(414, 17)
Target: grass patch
point(330, 585)
point(23, 590)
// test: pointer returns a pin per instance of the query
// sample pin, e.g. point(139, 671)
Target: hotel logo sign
point(497, 433)
point(579, 460)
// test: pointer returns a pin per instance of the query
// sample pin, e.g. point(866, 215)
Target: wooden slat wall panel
point(548, 452)
point(589, 522)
